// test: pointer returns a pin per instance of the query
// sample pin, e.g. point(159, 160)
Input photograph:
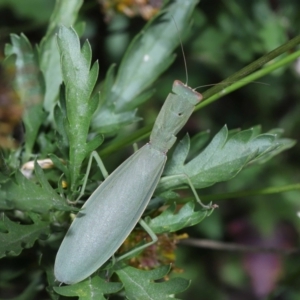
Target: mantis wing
point(109, 215)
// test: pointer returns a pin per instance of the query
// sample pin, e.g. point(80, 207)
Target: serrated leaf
point(61, 124)
point(65, 12)
point(30, 86)
point(283, 144)
point(169, 221)
point(60, 165)
point(23, 194)
point(141, 284)
point(57, 201)
point(111, 121)
point(95, 142)
point(198, 142)
point(226, 155)
point(80, 79)
point(90, 289)
point(149, 54)
point(19, 236)
point(179, 156)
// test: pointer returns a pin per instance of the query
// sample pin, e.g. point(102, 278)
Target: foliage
point(30, 86)
point(94, 288)
point(68, 113)
point(19, 236)
point(141, 285)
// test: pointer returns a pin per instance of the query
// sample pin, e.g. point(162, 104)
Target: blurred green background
point(224, 37)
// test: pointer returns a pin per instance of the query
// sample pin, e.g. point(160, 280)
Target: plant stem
point(252, 67)
point(249, 79)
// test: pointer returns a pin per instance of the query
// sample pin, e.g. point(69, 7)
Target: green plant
point(67, 122)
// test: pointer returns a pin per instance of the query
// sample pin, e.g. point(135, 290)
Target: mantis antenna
point(183, 54)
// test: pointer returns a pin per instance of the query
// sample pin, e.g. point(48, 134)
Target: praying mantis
point(116, 206)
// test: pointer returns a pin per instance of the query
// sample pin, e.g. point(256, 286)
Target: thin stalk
point(249, 79)
point(252, 67)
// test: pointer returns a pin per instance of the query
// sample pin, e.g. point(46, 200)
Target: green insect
point(116, 206)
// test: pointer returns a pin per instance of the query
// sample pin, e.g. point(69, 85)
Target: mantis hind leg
point(210, 206)
point(101, 166)
point(132, 252)
point(142, 247)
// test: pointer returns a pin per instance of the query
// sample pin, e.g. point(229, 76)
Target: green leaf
point(64, 13)
point(198, 142)
point(89, 289)
point(80, 81)
point(284, 143)
point(25, 195)
point(169, 221)
point(109, 119)
point(226, 155)
point(141, 284)
point(149, 54)
point(30, 86)
point(19, 236)
point(179, 156)
point(60, 165)
point(60, 118)
point(57, 202)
